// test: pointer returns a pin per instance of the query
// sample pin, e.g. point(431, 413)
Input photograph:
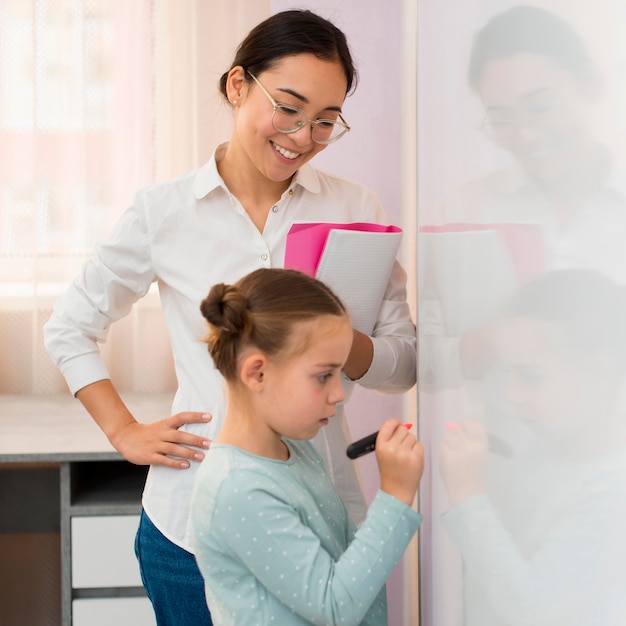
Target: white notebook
point(357, 265)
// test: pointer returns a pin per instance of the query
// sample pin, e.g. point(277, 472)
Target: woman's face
point(316, 86)
point(536, 111)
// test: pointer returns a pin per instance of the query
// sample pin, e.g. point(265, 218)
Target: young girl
point(271, 536)
point(286, 86)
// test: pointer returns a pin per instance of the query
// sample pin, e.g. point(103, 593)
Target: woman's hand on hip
point(162, 443)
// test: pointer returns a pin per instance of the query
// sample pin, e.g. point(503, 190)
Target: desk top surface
point(58, 428)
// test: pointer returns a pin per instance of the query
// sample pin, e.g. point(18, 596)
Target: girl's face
point(302, 393)
point(548, 385)
point(313, 85)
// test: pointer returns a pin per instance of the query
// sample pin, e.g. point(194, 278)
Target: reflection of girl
point(271, 536)
point(287, 87)
point(561, 561)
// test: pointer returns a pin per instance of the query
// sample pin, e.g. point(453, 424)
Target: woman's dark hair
point(587, 305)
point(288, 33)
point(528, 29)
point(260, 310)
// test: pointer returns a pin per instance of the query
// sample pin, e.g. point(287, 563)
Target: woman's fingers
point(162, 443)
point(186, 438)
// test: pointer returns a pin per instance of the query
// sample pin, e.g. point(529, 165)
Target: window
point(76, 140)
point(75, 130)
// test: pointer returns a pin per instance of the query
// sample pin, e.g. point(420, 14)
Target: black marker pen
point(365, 445)
point(368, 444)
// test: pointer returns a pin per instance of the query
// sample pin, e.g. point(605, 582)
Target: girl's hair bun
point(225, 308)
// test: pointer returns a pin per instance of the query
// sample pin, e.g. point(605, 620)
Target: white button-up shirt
point(187, 235)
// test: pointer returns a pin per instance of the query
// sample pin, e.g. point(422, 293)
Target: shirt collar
point(208, 178)
point(308, 178)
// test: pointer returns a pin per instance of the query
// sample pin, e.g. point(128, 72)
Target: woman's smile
point(287, 154)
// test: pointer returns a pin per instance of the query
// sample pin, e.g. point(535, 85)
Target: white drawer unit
point(69, 515)
point(100, 507)
point(107, 611)
point(103, 551)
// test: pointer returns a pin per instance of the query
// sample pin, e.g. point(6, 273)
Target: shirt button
point(264, 256)
point(275, 209)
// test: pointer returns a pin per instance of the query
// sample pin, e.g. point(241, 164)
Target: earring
point(235, 103)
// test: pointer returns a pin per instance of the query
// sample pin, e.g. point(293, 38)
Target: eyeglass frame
point(519, 120)
point(278, 105)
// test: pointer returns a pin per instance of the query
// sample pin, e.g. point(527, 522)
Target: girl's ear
point(253, 370)
point(235, 84)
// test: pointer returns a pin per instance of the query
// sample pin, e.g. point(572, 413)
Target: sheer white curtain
point(195, 43)
point(97, 98)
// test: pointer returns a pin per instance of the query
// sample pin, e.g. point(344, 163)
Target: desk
point(67, 497)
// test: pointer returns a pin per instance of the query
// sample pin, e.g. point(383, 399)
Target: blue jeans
point(171, 578)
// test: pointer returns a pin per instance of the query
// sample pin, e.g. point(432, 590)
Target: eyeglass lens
point(290, 119)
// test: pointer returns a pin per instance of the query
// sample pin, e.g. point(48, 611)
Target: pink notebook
point(306, 242)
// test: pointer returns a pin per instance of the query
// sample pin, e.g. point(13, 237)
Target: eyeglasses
point(288, 119)
point(537, 114)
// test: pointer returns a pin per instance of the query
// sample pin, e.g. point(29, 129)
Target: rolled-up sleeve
point(394, 365)
point(110, 282)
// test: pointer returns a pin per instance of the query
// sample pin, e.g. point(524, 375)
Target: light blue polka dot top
point(275, 544)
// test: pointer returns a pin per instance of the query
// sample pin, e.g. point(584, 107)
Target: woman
point(287, 85)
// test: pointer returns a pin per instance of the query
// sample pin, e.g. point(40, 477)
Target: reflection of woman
point(534, 77)
point(287, 86)
point(538, 86)
point(560, 561)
